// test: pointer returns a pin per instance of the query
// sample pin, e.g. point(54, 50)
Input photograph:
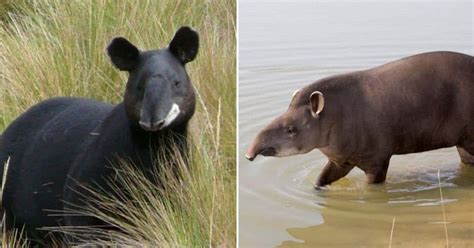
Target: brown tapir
point(415, 104)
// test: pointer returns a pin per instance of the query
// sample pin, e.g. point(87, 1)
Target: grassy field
point(57, 48)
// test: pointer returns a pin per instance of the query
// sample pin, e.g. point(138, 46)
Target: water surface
point(286, 45)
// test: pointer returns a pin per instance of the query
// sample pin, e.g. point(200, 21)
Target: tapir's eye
point(291, 130)
point(177, 83)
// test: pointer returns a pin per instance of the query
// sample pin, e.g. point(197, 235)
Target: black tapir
point(63, 142)
point(361, 119)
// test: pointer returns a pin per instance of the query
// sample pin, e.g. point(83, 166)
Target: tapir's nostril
point(145, 125)
point(159, 124)
point(249, 157)
point(152, 127)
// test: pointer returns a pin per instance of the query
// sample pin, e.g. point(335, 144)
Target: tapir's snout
point(152, 127)
point(249, 157)
point(267, 151)
point(158, 110)
point(260, 148)
point(251, 153)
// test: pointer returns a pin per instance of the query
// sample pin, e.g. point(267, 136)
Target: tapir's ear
point(317, 103)
point(124, 55)
point(185, 44)
point(294, 94)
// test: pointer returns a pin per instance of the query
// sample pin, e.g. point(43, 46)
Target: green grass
point(57, 48)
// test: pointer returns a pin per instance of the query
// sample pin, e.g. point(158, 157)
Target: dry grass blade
point(391, 233)
point(13, 238)
point(444, 213)
point(4, 179)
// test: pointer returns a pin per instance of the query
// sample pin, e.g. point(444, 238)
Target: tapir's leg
point(466, 157)
point(375, 171)
point(332, 172)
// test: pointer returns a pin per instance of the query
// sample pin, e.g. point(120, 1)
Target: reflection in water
point(286, 45)
point(365, 219)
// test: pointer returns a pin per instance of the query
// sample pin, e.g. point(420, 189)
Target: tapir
point(62, 145)
point(360, 119)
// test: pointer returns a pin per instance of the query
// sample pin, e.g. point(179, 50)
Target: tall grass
point(56, 48)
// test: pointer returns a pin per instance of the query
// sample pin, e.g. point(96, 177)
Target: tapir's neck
point(117, 136)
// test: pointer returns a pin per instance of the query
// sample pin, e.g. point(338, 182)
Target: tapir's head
point(299, 130)
point(158, 94)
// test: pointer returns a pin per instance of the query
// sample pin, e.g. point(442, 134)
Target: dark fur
point(64, 141)
point(415, 104)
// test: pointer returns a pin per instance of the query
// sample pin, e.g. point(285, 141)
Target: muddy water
point(284, 46)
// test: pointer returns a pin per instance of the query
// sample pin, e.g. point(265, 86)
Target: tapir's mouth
point(268, 151)
point(152, 127)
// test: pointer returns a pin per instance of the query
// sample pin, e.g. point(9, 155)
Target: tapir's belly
point(421, 137)
point(421, 146)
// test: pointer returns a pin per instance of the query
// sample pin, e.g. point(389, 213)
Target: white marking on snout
point(174, 112)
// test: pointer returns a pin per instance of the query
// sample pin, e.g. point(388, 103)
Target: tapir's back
point(422, 102)
point(47, 137)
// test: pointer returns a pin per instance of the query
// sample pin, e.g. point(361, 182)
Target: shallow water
point(284, 46)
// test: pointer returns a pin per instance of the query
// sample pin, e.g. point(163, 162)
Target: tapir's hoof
point(320, 187)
